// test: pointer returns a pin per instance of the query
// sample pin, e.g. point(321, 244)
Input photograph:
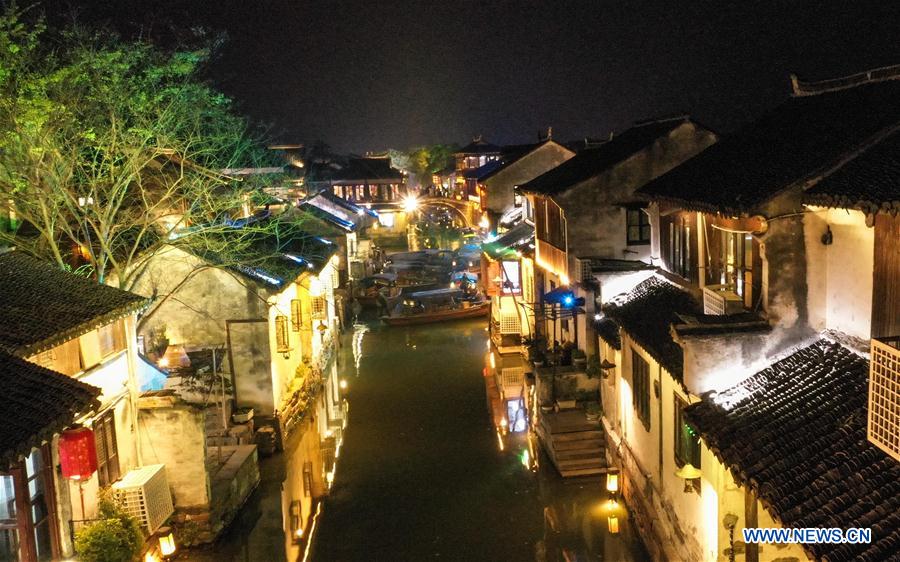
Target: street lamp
point(689, 472)
point(410, 203)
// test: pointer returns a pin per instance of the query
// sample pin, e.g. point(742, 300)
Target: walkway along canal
point(423, 472)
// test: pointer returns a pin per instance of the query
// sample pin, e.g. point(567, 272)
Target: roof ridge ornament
point(800, 88)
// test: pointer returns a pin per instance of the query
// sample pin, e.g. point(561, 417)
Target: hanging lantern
point(77, 453)
point(612, 481)
point(613, 524)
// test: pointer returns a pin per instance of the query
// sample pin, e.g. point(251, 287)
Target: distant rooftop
point(478, 146)
point(593, 161)
point(367, 169)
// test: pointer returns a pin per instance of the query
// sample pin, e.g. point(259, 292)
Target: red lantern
point(77, 453)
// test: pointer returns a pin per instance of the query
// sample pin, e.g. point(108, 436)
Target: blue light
point(568, 300)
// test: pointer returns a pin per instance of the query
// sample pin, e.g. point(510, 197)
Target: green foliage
point(113, 146)
point(114, 537)
point(423, 161)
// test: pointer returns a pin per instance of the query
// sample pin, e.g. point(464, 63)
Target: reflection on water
point(423, 470)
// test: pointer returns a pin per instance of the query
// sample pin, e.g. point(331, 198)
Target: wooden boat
point(437, 305)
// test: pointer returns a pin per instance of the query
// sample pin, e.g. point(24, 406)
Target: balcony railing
point(884, 395)
point(721, 300)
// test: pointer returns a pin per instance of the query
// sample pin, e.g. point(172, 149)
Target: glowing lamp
point(343, 384)
point(688, 472)
point(322, 328)
point(612, 481)
point(77, 453)
point(613, 524)
point(166, 541)
point(410, 204)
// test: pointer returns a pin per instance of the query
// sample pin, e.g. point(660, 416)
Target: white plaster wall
point(284, 365)
point(840, 275)
point(176, 436)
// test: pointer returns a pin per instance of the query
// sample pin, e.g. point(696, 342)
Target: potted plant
point(536, 347)
point(579, 358)
point(242, 415)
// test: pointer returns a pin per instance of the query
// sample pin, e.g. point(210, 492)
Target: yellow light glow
point(151, 557)
point(493, 361)
point(315, 287)
point(164, 362)
point(503, 422)
point(612, 482)
point(343, 384)
point(484, 222)
point(410, 203)
point(613, 523)
point(563, 278)
point(167, 543)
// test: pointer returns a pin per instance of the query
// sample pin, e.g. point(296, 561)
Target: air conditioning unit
point(721, 300)
point(509, 323)
point(144, 494)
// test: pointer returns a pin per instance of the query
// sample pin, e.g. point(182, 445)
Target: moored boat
point(437, 305)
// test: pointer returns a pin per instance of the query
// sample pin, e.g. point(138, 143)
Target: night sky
point(369, 75)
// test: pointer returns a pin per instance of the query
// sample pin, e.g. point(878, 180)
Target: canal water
point(421, 471)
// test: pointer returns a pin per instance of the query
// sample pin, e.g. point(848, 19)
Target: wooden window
point(112, 338)
point(107, 449)
point(282, 343)
point(640, 391)
point(296, 315)
point(511, 277)
point(64, 358)
point(638, 227)
point(687, 442)
point(679, 248)
point(28, 516)
point(318, 307)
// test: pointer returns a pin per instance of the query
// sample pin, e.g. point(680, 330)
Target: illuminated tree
point(424, 161)
point(111, 150)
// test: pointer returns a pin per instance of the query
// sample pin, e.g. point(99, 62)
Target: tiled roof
point(795, 142)
point(39, 402)
point(42, 306)
point(519, 238)
point(870, 182)
point(646, 314)
point(479, 146)
point(367, 169)
point(591, 162)
point(795, 433)
point(273, 257)
point(483, 172)
point(337, 211)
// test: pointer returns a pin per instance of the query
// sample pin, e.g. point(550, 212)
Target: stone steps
point(575, 444)
point(586, 453)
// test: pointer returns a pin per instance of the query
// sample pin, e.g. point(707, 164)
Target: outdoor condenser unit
point(144, 494)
